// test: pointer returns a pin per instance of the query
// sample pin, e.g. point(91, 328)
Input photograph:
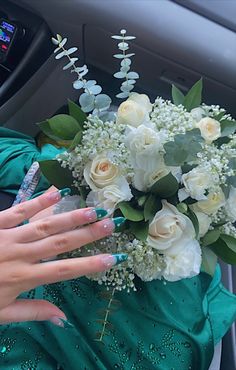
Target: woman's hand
point(23, 247)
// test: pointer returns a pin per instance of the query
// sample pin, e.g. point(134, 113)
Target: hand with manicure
point(23, 248)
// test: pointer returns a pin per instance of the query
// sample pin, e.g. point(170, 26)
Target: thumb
point(31, 310)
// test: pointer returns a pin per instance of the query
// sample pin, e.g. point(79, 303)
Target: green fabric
point(163, 326)
point(17, 153)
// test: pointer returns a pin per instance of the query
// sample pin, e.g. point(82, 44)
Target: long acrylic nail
point(59, 321)
point(114, 259)
point(57, 195)
point(118, 221)
point(95, 214)
point(101, 213)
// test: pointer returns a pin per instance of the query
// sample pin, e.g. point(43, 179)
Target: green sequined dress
point(162, 326)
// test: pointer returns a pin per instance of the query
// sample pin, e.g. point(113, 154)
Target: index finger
point(17, 214)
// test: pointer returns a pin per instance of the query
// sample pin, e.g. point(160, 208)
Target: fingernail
point(57, 195)
point(59, 321)
point(118, 221)
point(64, 192)
point(114, 259)
point(95, 214)
point(100, 212)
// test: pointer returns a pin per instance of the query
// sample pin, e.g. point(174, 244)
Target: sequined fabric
point(171, 326)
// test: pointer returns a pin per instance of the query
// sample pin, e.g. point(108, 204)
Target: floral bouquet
point(167, 167)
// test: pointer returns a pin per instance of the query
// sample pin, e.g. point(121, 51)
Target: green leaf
point(209, 261)
point(76, 112)
point(64, 126)
point(194, 220)
point(129, 212)
point(76, 141)
point(228, 127)
point(221, 249)
point(142, 199)
point(56, 175)
point(183, 149)
point(152, 205)
point(210, 237)
point(140, 230)
point(177, 96)
point(46, 129)
point(231, 180)
point(166, 186)
point(194, 97)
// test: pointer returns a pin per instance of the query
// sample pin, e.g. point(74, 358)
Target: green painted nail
point(100, 212)
point(120, 257)
point(118, 221)
point(64, 192)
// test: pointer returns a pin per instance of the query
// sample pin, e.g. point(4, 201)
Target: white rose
point(198, 113)
point(195, 183)
point(145, 145)
point(185, 263)
point(230, 205)
point(204, 222)
point(100, 172)
point(214, 201)
point(169, 228)
point(134, 111)
point(210, 129)
point(142, 99)
point(110, 196)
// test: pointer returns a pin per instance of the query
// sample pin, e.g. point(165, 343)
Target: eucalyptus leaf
point(129, 55)
point(209, 261)
point(90, 83)
point(194, 97)
point(119, 75)
point(183, 149)
point(166, 186)
point(63, 42)
point(95, 89)
point(122, 95)
point(228, 127)
point(71, 50)
point(177, 96)
point(119, 56)
point(60, 55)
point(64, 126)
point(125, 62)
point(133, 75)
point(67, 66)
point(129, 212)
point(55, 42)
point(78, 84)
point(102, 101)
point(59, 37)
point(128, 82)
point(87, 102)
point(76, 112)
point(127, 88)
point(139, 230)
point(124, 69)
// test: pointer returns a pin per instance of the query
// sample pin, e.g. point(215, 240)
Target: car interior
point(177, 42)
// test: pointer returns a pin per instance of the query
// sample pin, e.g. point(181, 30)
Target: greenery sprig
point(125, 73)
point(90, 100)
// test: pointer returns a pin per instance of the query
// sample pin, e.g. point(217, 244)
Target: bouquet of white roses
point(168, 168)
